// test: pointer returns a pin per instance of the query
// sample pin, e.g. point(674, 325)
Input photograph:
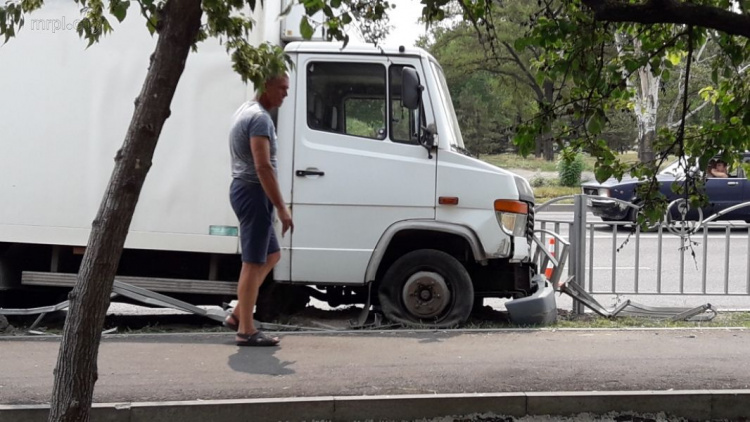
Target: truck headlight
point(512, 216)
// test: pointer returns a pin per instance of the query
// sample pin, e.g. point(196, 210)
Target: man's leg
point(252, 277)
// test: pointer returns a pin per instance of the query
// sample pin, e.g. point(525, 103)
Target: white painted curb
point(695, 405)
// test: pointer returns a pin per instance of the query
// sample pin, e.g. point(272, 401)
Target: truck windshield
point(456, 141)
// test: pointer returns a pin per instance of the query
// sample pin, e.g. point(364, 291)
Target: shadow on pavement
point(259, 361)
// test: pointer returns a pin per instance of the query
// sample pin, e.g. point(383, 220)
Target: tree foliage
point(496, 84)
point(490, 96)
point(579, 45)
point(576, 44)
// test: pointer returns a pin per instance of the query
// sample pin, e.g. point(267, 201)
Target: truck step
point(173, 285)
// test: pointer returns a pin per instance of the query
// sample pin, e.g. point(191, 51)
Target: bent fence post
point(578, 248)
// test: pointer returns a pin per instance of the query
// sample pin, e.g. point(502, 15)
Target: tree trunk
point(549, 96)
point(647, 105)
point(549, 151)
point(76, 370)
point(646, 147)
point(646, 101)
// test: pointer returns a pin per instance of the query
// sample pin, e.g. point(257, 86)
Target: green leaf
point(602, 173)
point(595, 123)
point(674, 57)
point(305, 28)
point(119, 9)
point(632, 65)
point(521, 43)
point(153, 21)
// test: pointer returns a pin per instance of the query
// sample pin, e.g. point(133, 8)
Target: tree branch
point(532, 81)
point(671, 11)
point(681, 132)
point(693, 112)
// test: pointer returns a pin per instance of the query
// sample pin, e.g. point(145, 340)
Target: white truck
point(387, 205)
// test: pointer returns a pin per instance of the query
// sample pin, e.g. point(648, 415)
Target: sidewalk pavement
point(325, 370)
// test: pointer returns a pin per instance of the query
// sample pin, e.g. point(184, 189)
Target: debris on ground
point(628, 308)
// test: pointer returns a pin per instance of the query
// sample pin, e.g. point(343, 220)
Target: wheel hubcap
point(426, 294)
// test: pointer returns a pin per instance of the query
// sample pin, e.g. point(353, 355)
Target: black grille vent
point(530, 225)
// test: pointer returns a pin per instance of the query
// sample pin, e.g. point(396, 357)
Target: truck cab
point(387, 195)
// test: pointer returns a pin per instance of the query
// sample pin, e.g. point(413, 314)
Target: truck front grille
point(530, 225)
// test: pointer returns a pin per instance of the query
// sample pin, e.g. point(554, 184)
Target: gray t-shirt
point(251, 119)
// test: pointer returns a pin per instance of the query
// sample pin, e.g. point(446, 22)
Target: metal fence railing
point(706, 258)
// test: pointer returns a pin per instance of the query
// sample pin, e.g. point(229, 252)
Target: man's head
point(718, 164)
point(274, 91)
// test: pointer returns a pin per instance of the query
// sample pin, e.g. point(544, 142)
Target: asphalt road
point(209, 366)
point(660, 266)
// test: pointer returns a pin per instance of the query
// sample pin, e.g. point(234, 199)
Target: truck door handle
point(732, 183)
point(303, 173)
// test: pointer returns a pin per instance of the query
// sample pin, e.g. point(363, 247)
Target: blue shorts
point(255, 212)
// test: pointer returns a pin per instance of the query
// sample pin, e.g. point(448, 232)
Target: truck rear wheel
point(427, 287)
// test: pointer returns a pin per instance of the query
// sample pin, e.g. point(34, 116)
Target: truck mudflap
point(538, 309)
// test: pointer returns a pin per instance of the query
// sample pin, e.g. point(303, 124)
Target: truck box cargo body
point(385, 201)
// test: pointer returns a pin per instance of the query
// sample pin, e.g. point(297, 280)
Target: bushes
point(538, 182)
point(570, 171)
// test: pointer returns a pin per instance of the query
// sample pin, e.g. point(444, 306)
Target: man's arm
point(260, 146)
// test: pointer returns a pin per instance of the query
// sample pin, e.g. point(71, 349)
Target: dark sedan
point(722, 193)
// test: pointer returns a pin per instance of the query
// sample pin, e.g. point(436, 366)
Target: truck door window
point(347, 98)
point(403, 121)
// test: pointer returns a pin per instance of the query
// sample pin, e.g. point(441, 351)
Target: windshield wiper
point(462, 150)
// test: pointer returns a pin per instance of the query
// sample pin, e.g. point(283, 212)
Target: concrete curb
point(695, 405)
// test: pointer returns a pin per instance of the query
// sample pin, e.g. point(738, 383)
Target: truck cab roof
point(354, 48)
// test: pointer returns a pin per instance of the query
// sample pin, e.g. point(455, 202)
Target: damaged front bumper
point(538, 309)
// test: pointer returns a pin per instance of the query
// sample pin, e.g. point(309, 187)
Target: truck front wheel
point(427, 287)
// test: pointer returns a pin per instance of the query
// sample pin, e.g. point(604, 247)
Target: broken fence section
point(629, 308)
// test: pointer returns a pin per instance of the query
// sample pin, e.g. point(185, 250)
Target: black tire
point(427, 287)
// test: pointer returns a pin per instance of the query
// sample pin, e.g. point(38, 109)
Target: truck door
point(356, 172)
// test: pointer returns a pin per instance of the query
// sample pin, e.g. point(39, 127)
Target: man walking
point(254, 194)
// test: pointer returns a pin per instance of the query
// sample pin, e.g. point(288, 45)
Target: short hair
point(259, 89)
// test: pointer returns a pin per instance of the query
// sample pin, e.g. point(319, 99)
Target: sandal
point(232, 322)
point(258, 339)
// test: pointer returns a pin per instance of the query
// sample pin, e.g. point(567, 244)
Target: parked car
point(722, 193)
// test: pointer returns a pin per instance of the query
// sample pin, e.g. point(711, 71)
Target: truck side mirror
point(411, 90)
